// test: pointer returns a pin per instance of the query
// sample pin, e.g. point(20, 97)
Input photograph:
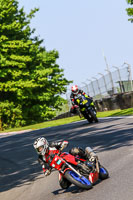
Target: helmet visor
point(40, 149)
point(75, 91)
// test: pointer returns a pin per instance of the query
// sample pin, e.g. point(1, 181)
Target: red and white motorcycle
point(77, 171)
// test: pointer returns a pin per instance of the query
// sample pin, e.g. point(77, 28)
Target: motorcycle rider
point(74, 92)
point(45, 149)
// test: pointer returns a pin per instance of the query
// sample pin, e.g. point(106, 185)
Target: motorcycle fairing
point(56, 162)
point(69, 158)
point(93, 177)
point(83, 180)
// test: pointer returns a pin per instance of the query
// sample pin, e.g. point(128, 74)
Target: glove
point(76, 106)
point(47, 172)
point(64, 144)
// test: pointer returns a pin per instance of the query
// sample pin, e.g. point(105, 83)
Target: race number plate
point(58, 162)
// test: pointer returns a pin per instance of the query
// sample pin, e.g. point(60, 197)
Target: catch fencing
point(113, 82)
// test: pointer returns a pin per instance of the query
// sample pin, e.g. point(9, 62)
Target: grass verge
point(58, 122)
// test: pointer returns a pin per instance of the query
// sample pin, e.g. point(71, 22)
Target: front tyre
point(74, 178)
point(64, 183)
point(90, 120)
point(93, 114)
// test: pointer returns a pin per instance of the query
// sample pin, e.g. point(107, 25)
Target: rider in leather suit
point(45, 149)
point(74, 92)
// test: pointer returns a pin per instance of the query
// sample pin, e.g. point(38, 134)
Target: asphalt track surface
point(21, 177)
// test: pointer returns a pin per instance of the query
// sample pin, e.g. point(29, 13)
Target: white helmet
point(75, 89)
point(41, 145)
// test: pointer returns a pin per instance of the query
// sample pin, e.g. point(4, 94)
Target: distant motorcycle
point(87, 108)
point(77, 171)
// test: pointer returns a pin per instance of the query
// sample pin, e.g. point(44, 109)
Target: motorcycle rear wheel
point(83, 182)
point(103, 174)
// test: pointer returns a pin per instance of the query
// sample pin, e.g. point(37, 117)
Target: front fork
point(62, 171)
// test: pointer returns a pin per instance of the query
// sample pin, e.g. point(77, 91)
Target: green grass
point(117, 112)
point(58, 122)
point(46, 124)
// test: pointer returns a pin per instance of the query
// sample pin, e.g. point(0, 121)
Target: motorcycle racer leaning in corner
point(44, 149)
point(74, 92)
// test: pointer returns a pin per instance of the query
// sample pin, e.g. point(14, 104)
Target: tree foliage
point(31, 83)
point(130, 10)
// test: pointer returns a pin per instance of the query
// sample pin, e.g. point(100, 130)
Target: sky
point(81, 30)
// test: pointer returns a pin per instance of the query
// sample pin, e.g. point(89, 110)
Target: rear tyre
point(83, 182)
point(103, 174)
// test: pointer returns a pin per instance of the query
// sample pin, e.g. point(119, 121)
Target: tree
point(31, 83)
point(130, 10)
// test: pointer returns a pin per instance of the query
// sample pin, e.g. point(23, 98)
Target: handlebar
point(60, 150)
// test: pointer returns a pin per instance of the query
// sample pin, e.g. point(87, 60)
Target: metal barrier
point(118, 81)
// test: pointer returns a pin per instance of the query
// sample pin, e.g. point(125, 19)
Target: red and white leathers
point(53, 148)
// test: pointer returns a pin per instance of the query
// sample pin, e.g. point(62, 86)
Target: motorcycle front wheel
point(74, 178)
point(90, 120)
point(93, 116)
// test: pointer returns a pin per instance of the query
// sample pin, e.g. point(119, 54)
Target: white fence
point(113, 82)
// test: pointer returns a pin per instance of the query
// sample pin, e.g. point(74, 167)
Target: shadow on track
point(71, 189)
point(18, 159)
